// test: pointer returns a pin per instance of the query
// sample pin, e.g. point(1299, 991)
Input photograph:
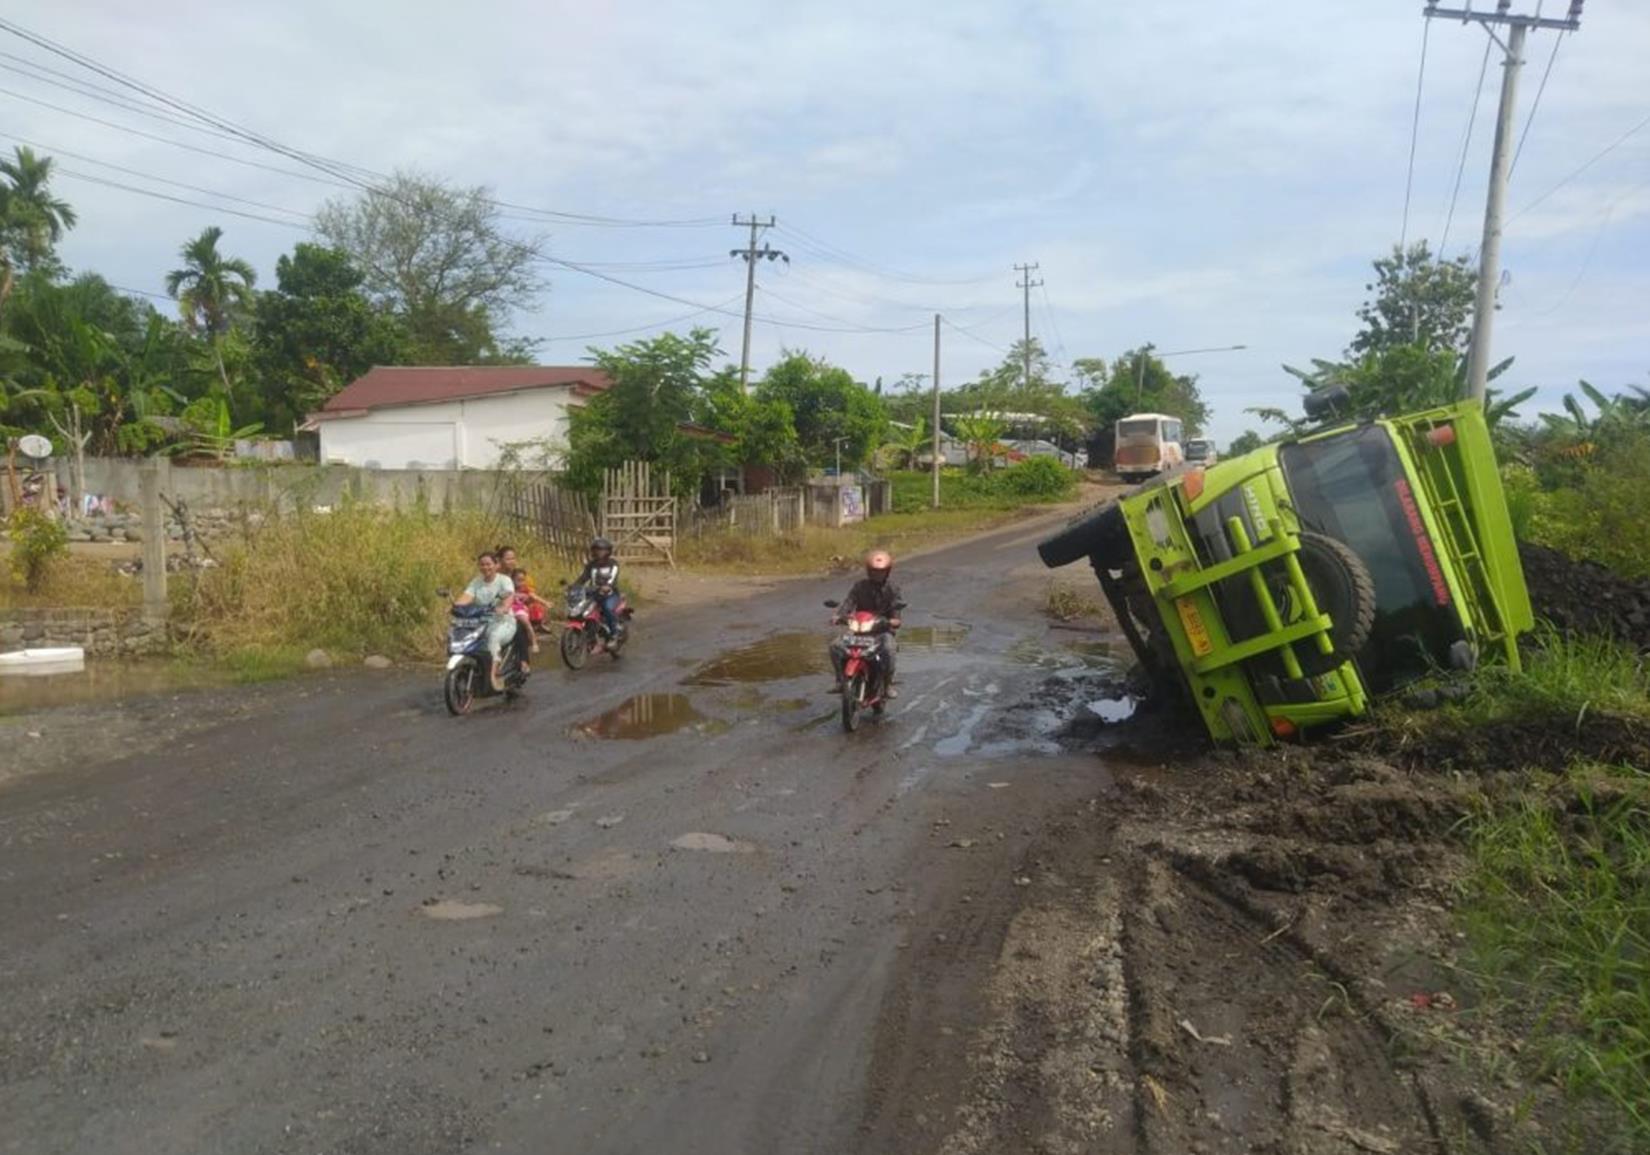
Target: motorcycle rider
point(601, 573)
point(492, 590)
point(874, 593)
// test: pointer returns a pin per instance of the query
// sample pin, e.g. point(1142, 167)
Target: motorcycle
point(864, 676)
point(469, 664)
point(585, 633)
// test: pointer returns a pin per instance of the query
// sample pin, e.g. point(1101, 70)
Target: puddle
point(1071, 659)
point(1119, 709)
point(102, 681)
point(947, 637)
point(790, 654)
point(450, 910)
point(648, 716)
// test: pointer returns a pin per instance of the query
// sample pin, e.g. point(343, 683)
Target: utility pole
point(936, 462)
point(752, 254)
point(1027, 284)
point(1489, 251)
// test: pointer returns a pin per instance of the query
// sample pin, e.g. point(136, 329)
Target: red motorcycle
point(585, 633)
point(864, 673)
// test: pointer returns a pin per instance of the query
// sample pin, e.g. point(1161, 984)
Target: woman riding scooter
point(491, 590)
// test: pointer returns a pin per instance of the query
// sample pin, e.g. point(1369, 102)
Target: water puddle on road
point(102, 681)
point(946, 637)
point(789, 654)
point(649, 716)
point(1119, 709)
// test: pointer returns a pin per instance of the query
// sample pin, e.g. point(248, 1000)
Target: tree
point(981, 434)
point(1245, 442)
point(908, 442)
point(1403, 379)
point(657, 387)
point(32, 220)
point(828, 406)
point(316, 332)
point(1419, 299)
point(212, 290)
point(1138, 382)
point(437, 256)
point(763, 428)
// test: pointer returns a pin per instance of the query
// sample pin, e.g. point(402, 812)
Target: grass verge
point(69, 581)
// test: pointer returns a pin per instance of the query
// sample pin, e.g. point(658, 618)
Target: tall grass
point(1041, 479)
point(1557, 914)
point(357, 580)
point(76, 580)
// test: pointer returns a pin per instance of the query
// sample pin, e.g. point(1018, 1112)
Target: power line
point(1054, 325)
point(1535, 105)
point(1598, 156)
point(71, 174)
point(831, 252)
point(973, 336)
point(844, 321)
point(1466, 144)
point(1414, 134)
point(642, 328)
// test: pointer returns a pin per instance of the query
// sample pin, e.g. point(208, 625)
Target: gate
point(639, 513)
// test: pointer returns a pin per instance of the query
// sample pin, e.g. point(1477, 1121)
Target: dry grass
point(816, 549)
point(1069, 603)
point(76, 581)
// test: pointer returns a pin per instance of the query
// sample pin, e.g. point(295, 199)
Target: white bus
point(1147, 444)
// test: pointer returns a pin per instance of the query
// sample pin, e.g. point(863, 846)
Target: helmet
point(601, 545)
point(879, 563)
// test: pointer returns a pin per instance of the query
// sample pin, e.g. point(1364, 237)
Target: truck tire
point(1100, 534)
point(1342, 586)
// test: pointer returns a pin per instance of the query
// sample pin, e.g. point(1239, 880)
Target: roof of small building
point(386, 386)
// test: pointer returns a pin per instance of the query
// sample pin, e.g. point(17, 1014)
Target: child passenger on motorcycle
point(601, 574)
point(874, 593)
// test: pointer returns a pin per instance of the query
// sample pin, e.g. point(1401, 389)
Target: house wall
point(465, 434)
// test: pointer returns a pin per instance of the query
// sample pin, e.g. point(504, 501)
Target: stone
point(377, 662)
point(318, 659)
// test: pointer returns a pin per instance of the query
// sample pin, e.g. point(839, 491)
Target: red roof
point(389, 385)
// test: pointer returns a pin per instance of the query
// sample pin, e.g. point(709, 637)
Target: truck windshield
point(1352, 487)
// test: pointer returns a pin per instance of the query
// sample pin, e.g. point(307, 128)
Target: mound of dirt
point(1584, 597)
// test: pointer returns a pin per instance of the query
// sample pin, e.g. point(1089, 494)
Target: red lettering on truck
point(1418, 529)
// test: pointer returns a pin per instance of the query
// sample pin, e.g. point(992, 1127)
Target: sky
point(1191, 174)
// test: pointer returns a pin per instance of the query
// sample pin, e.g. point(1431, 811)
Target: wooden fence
point(556, 518)
point(638, 513)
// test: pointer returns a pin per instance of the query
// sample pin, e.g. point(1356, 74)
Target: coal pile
point(1583, 597)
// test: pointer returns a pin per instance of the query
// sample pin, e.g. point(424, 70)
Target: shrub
point(1599, 513)
point(37, 540)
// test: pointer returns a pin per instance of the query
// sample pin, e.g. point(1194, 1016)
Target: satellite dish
point(34, 445)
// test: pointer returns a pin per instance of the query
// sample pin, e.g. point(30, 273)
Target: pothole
point(711, 843)
point(788, 654)
point(451, 910)
point(648, 716)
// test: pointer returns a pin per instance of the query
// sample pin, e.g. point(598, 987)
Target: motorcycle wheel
point(575, 648)
point(852, 693)
point(459, 687)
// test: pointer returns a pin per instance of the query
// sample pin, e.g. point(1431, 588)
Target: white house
point(450, 417)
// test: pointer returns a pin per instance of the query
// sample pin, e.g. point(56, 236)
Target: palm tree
point(32, 221)
point(210, 288)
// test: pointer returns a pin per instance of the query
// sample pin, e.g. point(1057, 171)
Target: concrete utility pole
point(1027, 284)
point(1489, 251)
point(752, 254)
point(936, 463)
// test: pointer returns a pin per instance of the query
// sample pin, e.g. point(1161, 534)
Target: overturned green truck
point(1286, 588)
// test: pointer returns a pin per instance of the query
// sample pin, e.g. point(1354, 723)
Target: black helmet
point(601, 545)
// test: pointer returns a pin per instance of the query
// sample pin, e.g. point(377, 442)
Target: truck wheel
point(1100, 534)
point(1344, 589)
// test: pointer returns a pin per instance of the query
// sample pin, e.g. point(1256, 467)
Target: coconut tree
point(32, 220)
point(211, 290)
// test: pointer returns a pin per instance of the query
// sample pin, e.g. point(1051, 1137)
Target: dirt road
point(666, 905)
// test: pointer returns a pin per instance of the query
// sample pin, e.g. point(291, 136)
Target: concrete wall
point(288, 486)
point(466, 433)
point(104, 633)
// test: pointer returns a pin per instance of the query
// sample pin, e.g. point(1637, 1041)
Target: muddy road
point(667, 905)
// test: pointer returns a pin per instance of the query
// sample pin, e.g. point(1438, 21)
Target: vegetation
point(830, 411)
point(36, 542)
point(1245, 442)
point(1039, 480)
point(1419, 301)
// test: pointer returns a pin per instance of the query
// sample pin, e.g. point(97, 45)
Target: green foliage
point(438, 258)
point(315, 333)
point(1596, 509)
point(37, 540)
point(658, 386)
point(32, 220)
point(826, 405)
point(213, 291)
point(1419, 301)
point(1245, 442)
point(1138, 382)
point(763, 428)
point(908, 442)
point(1399, 379)
point(981, 435)
point(1557, 914)
point(1040, 405)
point(1040, 480)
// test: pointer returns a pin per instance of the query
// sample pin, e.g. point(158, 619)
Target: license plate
point(1196, 632)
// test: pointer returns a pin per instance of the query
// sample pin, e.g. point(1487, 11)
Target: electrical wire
point(1414, 134)
point(1578, 170)
point(828, 251)
point(971, 335)
point(1534, 106)
point(1053, 324)
point(842, 320)
point(115, 184)
point(1466, 144)
point(643, 328)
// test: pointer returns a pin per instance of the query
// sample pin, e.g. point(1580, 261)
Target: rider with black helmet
point(601, 573)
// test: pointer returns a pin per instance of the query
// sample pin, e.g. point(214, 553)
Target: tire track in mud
point(1129, 1008)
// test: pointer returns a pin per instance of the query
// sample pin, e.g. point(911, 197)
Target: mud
point(787, 654)
point(647, 716)
point(1584, 597)
point(1224, 953)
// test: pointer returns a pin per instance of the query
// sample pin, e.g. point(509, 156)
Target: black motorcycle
point(469, 664)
